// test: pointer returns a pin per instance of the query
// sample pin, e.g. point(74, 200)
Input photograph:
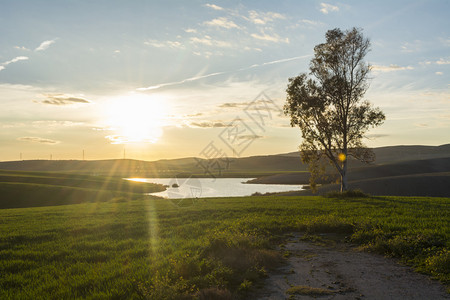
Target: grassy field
point(153, 249)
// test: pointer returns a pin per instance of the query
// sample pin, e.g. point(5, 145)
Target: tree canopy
point(327, 104)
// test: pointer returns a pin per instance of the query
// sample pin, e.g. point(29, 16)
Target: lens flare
point(135, 118)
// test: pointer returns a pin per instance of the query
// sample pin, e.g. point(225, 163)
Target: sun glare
point(136, 118)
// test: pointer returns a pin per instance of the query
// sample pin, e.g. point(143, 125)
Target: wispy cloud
point(443, 61)
point(61, 99)
point(153, 87)
point(275, 38)
point(208, 124)
point(164, 44)
point(413, 46)
point(376, 135)
point(33, 139)
point(282, 60)
point(44, 45)
point(261, 18)
point(390, 68)
point(53, 123)
point(208, 41)
point(14, 60)
point(221, 22)
point(250, 137)
point(213, 6)
point(220, 73)
point(326, 8)
point(310, 22)
point(260, 104)
point(22, 48)
point(204, 40)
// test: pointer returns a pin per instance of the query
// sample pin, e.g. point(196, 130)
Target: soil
point(335, 270)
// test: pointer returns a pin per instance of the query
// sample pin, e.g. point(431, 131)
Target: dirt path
point(338, 271)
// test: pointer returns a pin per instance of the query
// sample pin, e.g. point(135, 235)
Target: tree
point(327, 105)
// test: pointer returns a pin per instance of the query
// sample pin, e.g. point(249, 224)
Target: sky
point(168, 79)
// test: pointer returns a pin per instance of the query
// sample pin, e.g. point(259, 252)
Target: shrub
point(347, 194)
point(439, 263)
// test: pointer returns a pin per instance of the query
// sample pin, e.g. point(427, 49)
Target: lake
point(210, 187)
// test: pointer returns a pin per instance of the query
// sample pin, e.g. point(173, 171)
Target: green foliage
point(347, 194)
point(439, 263)
point(216, 249)
point(327, 104)
point(308, 291)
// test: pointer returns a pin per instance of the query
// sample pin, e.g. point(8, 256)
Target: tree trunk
point(344, 176)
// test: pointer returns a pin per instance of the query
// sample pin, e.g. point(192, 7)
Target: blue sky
point(165, 79)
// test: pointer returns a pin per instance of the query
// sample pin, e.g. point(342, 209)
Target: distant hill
point(429, 177)
point(401, 153)
point(402, 168)
point(425, 185)
point(254, 166)
point(30, 189)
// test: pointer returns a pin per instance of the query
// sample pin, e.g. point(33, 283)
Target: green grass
point(308, 291)
point(217, 248)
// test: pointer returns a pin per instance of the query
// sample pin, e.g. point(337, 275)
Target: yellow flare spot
point(342, 157)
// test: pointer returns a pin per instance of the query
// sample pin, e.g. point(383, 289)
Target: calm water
point(209, 187)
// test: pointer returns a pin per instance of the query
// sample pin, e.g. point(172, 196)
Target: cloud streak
point(275, 38)
point(33, 139)
point(259, 18)
point(222, 22)
point(250, 137)
point(443, 61)
point(62, 99)
point(44, 45)
point(164, 44)
point(208, 124)
point(390, 68)
point(326, 8)
point(195, 78)
point(14, 60)
point(213, 6)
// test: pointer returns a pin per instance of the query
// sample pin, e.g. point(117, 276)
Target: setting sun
point(135, 118)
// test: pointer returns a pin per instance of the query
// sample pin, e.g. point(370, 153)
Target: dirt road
point(339, 271)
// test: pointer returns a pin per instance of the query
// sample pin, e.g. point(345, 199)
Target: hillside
point(254, 166)
point(29, 189)
point(411, 167)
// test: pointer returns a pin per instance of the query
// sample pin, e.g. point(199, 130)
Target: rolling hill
point(30, 189)
point(254, 166)
point(398, 170)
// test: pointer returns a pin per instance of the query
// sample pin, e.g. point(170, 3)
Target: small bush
point(347, 194)
point(245, 285)
point(439, 263)
point(308, 291)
